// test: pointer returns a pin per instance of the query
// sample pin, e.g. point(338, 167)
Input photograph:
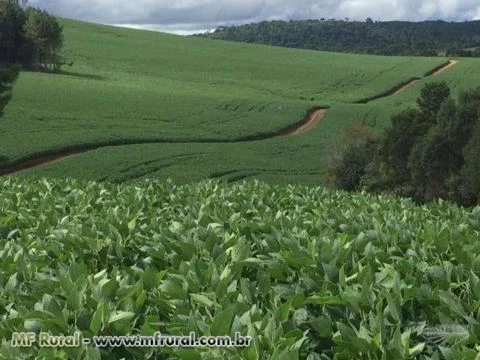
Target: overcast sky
point(186, 16)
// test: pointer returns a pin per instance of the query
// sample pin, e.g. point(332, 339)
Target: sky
point(190, 16)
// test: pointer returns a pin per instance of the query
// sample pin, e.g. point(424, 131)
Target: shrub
point(352, 154)
point(432, 96)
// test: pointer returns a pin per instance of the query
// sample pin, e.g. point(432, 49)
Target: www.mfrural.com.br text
point(43, 339)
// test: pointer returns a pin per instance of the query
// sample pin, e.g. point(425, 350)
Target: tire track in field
point(313, 118)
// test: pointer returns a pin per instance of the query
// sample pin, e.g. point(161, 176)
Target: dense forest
point(429, 152)
point(29, 37)
point(428, 38)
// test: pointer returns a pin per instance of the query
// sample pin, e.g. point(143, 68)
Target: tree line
point(29, 36)
point(428, 38)
point(429, 152)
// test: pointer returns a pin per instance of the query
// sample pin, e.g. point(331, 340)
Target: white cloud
point(207, 14)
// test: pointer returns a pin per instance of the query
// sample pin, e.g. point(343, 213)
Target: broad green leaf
point(222, 322)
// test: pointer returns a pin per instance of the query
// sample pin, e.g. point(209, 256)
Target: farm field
point(303, 270)
point(192, 108)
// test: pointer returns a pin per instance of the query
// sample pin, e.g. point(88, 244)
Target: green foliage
point(44, 38)
point(428, 153)
point(475, 52)
point(31, 37)
point(470, 188)
point(353, 153)
point(431, 99)
point(399, 140)
point(380, 279)
point(437, 157)
point(8, 76)
point(427, 38)
point(12, 18)
point(350, 169)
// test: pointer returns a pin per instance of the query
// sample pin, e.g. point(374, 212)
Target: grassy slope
point(129, 85)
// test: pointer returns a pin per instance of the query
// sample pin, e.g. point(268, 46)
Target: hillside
point(144, 104)
point(302, 270)
point(369, 37)
point(95, 242)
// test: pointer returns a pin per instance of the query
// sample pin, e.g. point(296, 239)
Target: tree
point(407, 127)
point(29, 36)
point(384, 38)
point(428, 153)
point(12, 18)
point(431, 99)
point(437, 157)
point(44, 39)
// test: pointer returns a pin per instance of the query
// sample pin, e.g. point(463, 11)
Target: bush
point(352, 153)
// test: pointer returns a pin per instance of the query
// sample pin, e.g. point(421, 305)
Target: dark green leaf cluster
point(308, 273)
point(30, 37)
point(428, 38)
point(474, 52)
point(429, 152)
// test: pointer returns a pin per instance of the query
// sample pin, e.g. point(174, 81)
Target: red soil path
point(446, 67)
point(405, 87)
point(312, 121)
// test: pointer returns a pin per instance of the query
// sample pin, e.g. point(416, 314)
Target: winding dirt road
point(312, 121)
point(451, 64)
point(405, 87)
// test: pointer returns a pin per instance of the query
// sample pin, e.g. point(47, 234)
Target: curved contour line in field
point(401, 87)
point(312, 119)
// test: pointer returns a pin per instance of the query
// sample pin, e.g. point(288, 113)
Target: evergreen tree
point(12, 18)
point(29, 36)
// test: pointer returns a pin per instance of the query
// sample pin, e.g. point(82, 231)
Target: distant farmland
point(188, 108)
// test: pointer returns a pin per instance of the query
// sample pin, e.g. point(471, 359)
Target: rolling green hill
point(306, 272)
point(191, 108)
